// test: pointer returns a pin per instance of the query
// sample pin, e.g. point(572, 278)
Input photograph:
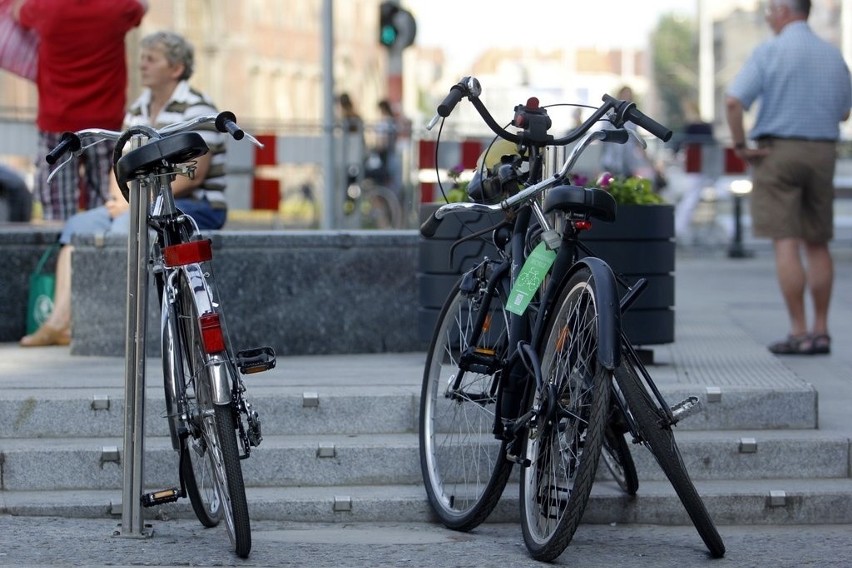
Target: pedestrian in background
point(82, 83)
point(803, 85)
point(383, 162)
point(167, 63)
point(18, 198)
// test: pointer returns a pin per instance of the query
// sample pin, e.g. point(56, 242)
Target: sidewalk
point(720, 299)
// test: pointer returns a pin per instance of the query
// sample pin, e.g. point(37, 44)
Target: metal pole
point(737, 250)
point(706, 70)
point(134, 361)
point(332, 202)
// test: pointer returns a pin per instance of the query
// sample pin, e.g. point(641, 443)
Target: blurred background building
point(263, 59)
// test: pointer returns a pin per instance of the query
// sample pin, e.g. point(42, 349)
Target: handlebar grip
point(226, 122)
point(69, 142)
point(430, 226)
point(639, 118)
point(450, 101)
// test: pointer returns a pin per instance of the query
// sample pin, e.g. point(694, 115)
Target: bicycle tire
point(616, 455)
point(383, 209)
point(661, 442)
point(214, 424)
point(464, 466)
point(563, 455)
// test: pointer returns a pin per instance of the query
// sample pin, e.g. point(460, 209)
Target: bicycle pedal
point(685, 408)
point(255, 360)
point(161, 497)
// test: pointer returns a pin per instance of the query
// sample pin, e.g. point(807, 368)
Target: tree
point(674, 45)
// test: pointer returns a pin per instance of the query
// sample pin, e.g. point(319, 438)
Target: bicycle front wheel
point(659, 438)
point(464, 466)
point(213, 432)
point(563, 441)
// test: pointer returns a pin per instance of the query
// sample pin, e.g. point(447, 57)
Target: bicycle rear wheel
point(213, 429)
point(197, 475)
point(657, 435)
point(563, 446)
point(464, 466)
point(616, 455)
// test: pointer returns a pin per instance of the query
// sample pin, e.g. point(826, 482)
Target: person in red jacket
point(82, 83)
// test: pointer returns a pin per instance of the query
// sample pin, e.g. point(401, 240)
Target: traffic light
point(397, 27)
point(387, 31)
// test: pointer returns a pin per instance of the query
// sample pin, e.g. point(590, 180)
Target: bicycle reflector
point(188, 253)
point(211, 332)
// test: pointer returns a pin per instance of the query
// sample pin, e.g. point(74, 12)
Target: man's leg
point(791, 279)
point(820, 282)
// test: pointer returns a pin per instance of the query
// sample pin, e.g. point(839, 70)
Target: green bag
point(42, 284)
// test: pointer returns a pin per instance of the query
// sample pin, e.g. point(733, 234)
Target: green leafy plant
point(629, 191)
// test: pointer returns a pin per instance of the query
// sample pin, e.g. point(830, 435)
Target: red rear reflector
point(211, 333)
point(188, 253)
point(583, 225)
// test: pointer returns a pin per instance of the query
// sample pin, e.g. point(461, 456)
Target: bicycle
point(528, 359)
point(211, 423)
point(372, 204)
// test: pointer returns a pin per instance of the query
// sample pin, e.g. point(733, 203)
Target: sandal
point(793, 345)
point(821, 344)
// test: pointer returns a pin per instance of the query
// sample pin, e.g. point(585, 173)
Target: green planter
point(640, 243)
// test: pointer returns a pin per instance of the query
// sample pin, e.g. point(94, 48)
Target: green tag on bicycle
point(532, 274)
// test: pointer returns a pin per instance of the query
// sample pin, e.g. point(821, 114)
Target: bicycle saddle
point(174, 149)
point(595, 203)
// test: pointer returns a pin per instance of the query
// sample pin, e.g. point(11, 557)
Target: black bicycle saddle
point(595, 203)
point(174, 149)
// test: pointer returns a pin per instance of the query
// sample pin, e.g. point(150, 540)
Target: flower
point(628, 191)
point(458, 191)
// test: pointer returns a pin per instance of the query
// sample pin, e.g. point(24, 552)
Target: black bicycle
point(528, 363)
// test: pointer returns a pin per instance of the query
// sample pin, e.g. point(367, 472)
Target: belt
point(769, 138)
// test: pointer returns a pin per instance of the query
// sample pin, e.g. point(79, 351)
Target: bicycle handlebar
point(529, 115)
point(535, 122)
point(69, 142)
point(224, 122)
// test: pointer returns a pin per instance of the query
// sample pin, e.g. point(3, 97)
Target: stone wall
point(310, 292)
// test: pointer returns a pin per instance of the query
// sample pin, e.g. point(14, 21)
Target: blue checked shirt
point(802, 82)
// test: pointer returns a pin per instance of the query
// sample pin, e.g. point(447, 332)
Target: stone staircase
point(340, 440)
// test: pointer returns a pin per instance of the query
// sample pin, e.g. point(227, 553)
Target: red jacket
point(82, 68)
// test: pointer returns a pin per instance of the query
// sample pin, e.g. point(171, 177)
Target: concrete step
point(299, 410)
point(93, 413)
point(389, 459)
point(741, 502)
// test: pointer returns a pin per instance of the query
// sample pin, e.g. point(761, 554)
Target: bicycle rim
point(464, 467)
point(214, 432)
point(563, 448)
point(198, 478)
point(661, 441)
point(616, 455)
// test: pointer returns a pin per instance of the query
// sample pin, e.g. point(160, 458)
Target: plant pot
point(437, 270)
point(640, 243)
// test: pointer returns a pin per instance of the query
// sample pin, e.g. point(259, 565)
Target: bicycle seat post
point(134, 387)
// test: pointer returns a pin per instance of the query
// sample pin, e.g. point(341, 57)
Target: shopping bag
point(42, 284)
point(18, 46)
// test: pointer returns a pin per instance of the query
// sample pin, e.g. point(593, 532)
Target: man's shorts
point(793, 195)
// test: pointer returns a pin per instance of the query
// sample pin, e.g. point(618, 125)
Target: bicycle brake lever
point(253, 140)
point(59, 167)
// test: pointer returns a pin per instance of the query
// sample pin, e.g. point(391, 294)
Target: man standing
point(804, 89)
point(82, 83)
